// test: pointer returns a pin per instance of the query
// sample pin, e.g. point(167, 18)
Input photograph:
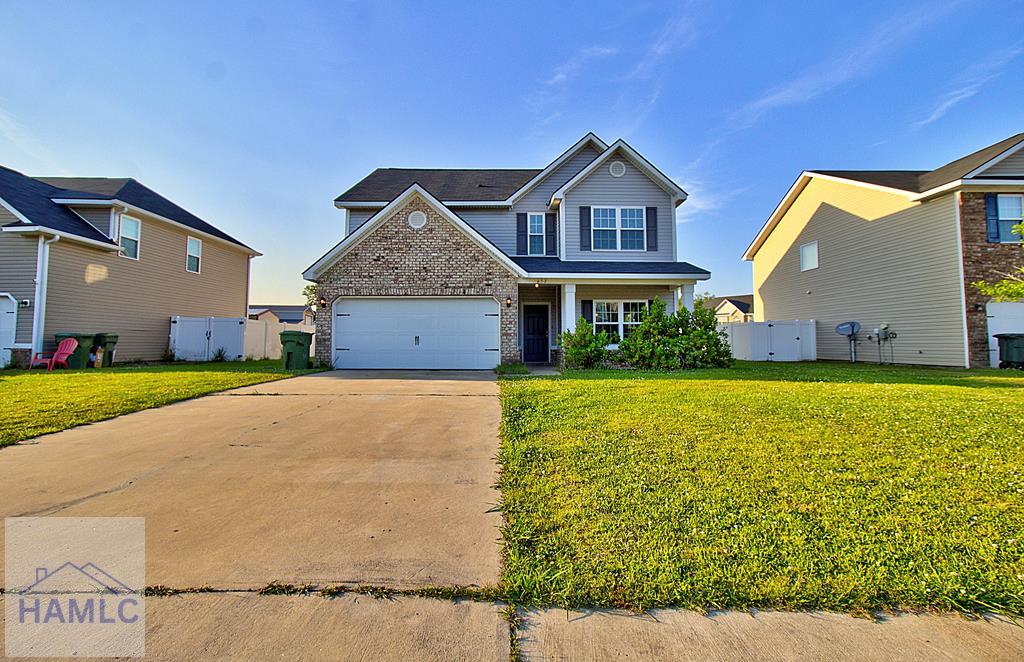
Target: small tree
point(1011, 287)
point(582, 348)
point(685, 339)
point(309, 292)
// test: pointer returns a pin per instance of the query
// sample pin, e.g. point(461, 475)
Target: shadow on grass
point(822, 371)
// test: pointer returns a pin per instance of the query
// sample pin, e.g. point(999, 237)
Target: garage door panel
point(428, 333)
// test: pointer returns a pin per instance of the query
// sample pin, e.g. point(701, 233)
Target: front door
point(535, 334)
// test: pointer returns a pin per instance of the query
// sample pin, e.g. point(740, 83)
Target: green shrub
point(684, 339)
point(512, 369)
point(582, 348)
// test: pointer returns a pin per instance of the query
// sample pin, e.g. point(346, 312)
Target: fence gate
point(788, 340)
point(199, 338)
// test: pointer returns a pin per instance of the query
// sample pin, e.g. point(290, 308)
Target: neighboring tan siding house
point(890, 247)
point(159, 261)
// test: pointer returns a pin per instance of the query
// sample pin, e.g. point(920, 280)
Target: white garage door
point(405, 332)
point(1002, 318)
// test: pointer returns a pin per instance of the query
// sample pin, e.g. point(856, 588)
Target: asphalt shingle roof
point(385, 184)
point(131, 191)
point(918, 181)
point(31, 198)
point(555, 265)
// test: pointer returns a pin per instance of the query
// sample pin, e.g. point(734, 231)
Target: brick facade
point(20, 357)
point(982, 261)
point(435, 260)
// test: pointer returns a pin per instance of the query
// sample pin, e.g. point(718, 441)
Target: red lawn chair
point(65, 349)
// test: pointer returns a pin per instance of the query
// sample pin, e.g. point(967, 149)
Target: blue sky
point(255, 116)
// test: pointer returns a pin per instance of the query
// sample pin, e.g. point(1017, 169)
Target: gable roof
point(743, 302)
point(453, 185)
point(919, 181)
point(127, 190)
point(915, 184)
point(30, 200)
point(364, 230)
point(648, 168)
point(283, 312)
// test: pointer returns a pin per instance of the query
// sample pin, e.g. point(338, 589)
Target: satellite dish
point(848, 328)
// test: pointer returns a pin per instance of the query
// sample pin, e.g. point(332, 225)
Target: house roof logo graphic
point(72, 578)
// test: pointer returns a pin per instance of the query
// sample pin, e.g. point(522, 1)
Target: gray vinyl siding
point(625, 293)
point(1011, 165)
point(98, 218)
point(881, 260)
point(634, 189)
point(92, 290)
point(18, 274)
point(357, 217)
point(499, 225)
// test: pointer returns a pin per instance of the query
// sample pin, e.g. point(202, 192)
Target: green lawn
point(791, 486)
point(36, 402)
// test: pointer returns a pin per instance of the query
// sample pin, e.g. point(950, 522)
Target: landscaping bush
point(684, 339)
point(582, 348)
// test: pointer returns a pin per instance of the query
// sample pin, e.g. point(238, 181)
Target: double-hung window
point(535, 229)
point(130, 232)
point(1011, 213)
point(193, 254)
point(619, 228)
point(618, 318)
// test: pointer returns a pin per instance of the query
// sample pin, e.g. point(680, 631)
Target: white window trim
point(817, 258)
point(138, 239)
point(618, 230)
point(621, 308)
point(543, 233)
point(189, 238)
point(1000, 219)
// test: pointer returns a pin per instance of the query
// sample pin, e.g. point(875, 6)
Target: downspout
point(42, 269)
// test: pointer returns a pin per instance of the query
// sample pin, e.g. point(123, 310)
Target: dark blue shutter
point(587, 310)
point(584, 228)
point(992, 217)
point(551, 234)
point(521, 234)
point(652, 228)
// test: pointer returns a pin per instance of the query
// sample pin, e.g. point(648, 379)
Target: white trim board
point(645, 166)
point(42, 229)
point(588, 139)
point(364, 230)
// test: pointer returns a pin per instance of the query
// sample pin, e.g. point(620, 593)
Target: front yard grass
point(793, 486)
point(37, 402)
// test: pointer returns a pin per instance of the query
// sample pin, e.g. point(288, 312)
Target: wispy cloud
point(679, 32)
point(971, 81)
point(857, 61)
point(702, 199)
point(19, 137)
point(571, 68)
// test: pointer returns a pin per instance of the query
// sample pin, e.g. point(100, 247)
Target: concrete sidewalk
point(557, 634)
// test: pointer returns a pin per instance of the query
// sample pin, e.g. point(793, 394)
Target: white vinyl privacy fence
point(794, 340)
point(263, 338)
point(200, 338)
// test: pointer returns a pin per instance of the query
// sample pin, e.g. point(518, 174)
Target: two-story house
point(443, 268)
point(898, 247)
point(94, 254)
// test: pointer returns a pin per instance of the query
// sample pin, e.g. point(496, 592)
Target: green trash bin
point(107, 342)
point(1011, 350)
point(295, 349)
point(80, 358)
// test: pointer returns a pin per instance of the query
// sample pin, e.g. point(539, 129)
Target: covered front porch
point(547, 308)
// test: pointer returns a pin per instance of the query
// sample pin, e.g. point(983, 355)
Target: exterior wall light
point(508, 302)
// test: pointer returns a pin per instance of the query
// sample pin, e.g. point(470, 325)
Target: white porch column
point(568, 306)
point(685, 296)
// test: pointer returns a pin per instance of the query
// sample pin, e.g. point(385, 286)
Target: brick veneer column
point(983, 261)
point(435, 260)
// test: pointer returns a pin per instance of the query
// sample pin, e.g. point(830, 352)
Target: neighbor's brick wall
point(982, 261)
point(435, 260)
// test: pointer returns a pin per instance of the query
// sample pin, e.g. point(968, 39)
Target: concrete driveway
point(381, 478)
